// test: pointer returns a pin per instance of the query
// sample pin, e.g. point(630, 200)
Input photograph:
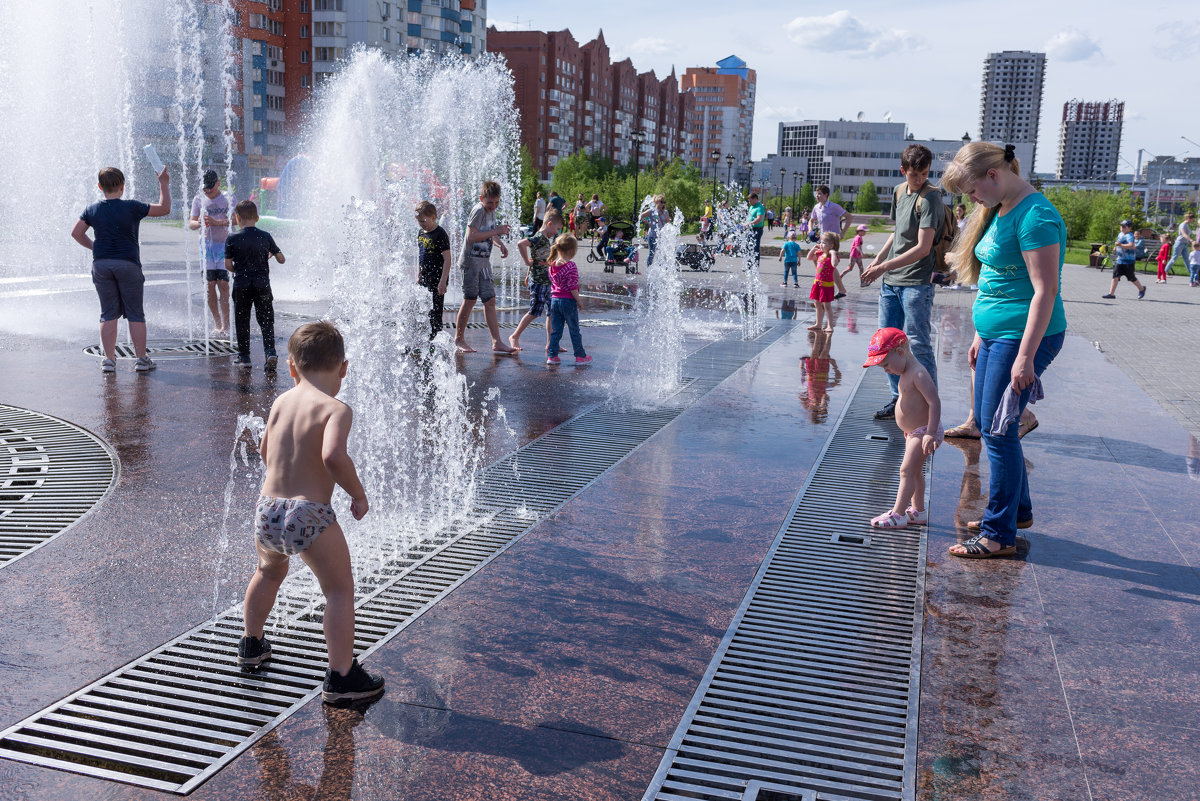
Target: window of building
point(304, 81)
point(303, 56)
point(303, 31)
point(387, 35)
point(303, 6)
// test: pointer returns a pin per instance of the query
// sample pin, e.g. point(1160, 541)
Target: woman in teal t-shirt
point(1013, 247)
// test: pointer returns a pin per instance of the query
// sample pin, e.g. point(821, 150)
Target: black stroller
point(618, 247)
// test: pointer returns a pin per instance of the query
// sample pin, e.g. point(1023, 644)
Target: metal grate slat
point(191, 686)
point(52, 473)
point(814, 687)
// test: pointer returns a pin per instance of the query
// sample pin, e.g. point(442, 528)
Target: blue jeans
point(909, 308)
point(1179, 251)
point(1008, 490)
point(794, 267)
point(753, 246)
point(564, 311)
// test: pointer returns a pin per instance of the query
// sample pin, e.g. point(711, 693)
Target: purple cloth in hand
point(1009, 409)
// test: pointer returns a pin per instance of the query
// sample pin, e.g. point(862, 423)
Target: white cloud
point(841, 32)
point(652, 46)
point(1176, 41)
point(1072, 45)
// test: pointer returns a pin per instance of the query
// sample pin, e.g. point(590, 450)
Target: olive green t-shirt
point(909, 221)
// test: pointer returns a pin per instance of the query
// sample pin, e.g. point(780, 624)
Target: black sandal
point(977, 550)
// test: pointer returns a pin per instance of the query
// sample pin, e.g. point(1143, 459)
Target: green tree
point(1075, 208)
point(867, 200)
point(836, 197)
point(808, 198)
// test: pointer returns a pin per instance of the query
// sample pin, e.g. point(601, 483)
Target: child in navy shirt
point(248, 255)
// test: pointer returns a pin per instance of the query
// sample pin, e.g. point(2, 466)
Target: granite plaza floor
point(561, 670)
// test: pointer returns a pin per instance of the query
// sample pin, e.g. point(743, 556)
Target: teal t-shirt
point(1002, 305)
point(754, 212)
point(791, 252)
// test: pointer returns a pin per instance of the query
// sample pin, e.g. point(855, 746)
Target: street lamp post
point(729, 159)
point(716, 158)
point(1197, 144)
point(638, 137)
point(795, 203)
point(782, 173)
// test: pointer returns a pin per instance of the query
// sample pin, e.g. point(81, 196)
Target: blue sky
point(921, 60)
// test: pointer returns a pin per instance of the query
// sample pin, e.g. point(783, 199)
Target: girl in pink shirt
point(564, 299)
point(856, 247)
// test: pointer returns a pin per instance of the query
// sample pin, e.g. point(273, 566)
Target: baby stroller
point(620, 252)
point(694, 256)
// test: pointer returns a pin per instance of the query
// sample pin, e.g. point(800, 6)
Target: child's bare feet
point(814, 327)
point(463, 347)
point(828, 329)
point(515, 343)
point(500, 347)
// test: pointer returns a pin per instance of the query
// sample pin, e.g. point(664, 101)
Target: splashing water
point(650, 364)
point(245, 470)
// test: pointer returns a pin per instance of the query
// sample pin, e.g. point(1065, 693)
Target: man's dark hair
point(111, 179)
point(916, 157)
point(823, 189)
point(317, 346)
point(754, 196)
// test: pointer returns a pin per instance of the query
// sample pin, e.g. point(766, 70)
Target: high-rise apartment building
point(723, 115)
point(1089, 142)
point(408, 26)
point(1011, 99)
point(572, 98)
point(272, 78)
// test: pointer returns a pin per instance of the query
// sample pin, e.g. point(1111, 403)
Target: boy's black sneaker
point(242, 361)
point(356, 685)
point(887, 412)
point(252, 652)
point(272, 360)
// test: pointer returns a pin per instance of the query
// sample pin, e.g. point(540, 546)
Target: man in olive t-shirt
point(906, 263)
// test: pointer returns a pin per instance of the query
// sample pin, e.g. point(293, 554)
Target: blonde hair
point(564, 248)
point(830, 239)
point(970, 164)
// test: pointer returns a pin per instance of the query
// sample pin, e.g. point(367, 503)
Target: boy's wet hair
point(111, 179)
point(426, 209)
point(246, 209)
point(552, 216)
point(317, 346)
point(916, 157)
point(489, 189)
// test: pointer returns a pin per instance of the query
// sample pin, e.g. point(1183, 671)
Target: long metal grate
point(813, 691)
point(51, 474)
point(174, 717)
point(168, 349)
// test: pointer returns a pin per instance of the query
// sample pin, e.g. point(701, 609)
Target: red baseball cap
point(882, 342)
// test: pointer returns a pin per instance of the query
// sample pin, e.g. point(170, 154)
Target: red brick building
point(572, 98)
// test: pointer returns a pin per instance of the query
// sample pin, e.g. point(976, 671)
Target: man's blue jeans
point(909, 308)
point(1008, 490)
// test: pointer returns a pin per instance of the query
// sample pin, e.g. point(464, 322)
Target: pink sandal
point(916, 518)
point(890, 520)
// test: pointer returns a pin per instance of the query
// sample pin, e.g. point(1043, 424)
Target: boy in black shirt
point(248, 255)
point(434, 246)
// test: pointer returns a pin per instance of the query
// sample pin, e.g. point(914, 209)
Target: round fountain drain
point(167, 349)
point(51, 474)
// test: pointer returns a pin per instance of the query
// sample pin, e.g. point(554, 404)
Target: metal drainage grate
point(174, 717)
point(168, 349)
point(813, 691)
point(51, 474)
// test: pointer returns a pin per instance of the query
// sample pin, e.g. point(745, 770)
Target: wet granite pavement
point(561, 669)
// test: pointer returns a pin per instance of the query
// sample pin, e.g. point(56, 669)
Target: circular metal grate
point(166, 349)
point(51, 474)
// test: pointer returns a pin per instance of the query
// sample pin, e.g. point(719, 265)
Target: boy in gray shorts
point(304, 451)
point(476, 260)
point(117, 262)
